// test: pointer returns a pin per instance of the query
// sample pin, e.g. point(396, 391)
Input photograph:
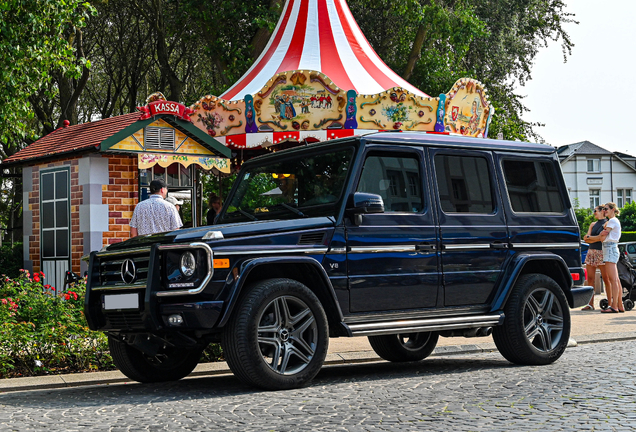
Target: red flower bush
point(43, 333)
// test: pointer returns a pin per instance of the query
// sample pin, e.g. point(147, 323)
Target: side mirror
point(364, 203)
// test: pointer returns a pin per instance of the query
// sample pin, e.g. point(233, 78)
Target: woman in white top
point(612, 234)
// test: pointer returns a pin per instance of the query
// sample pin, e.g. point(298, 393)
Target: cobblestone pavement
point(592, 387)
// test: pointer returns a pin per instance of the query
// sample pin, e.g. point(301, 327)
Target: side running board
point(423, 325)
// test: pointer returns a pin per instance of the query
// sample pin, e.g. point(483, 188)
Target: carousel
point(319, 79)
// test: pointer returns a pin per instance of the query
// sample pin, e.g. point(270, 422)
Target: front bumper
point(195, 316)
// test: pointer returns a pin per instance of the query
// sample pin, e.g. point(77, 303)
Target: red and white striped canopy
point(323, 36)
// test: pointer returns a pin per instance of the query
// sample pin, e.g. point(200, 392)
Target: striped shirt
point(155, 215)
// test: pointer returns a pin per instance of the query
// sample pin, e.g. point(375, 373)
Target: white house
point(594, 175)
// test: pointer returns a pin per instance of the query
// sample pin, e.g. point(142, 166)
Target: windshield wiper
point(292, 209)
point(247, 215)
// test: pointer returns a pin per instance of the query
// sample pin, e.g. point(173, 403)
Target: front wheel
point(170, 364)
point(404, 347)
point(277, 338)
point(536, 328)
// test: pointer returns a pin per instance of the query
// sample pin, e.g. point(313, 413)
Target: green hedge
point(628, 236)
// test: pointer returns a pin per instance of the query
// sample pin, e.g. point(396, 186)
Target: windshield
point(305, 186)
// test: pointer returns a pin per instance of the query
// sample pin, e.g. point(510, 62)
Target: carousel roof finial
point(156, 96)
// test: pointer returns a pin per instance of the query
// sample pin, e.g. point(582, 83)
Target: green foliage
point(628, 236)
point(11, 259)
point(494, 41)
point(628, 218)
point(34, 41)
point(42, 332)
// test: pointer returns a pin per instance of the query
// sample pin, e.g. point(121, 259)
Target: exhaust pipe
point(484, 331)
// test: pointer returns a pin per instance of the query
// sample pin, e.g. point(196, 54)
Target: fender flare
point(515, 268)
point(247, 266)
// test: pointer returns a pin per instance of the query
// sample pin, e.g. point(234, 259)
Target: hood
point(244, 229)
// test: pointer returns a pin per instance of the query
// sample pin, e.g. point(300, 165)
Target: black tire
point(405, 347)
point(169, 365)
point(277, 337)
point(628, 304)
point(604, 304)
point(536, 328)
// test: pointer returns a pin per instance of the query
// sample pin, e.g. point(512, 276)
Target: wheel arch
point(548, 264)
point(305, 270)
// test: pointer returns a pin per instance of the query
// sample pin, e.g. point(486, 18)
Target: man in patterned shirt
point(155, 214)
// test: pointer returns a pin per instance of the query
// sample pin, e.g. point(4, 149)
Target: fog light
point(175, 320)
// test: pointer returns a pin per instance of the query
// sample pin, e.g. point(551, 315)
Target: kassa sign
point(165, 107)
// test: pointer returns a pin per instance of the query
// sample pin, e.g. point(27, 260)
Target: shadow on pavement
point(227, 385)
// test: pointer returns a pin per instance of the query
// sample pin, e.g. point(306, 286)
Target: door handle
point(425, 247)
point(498, 245)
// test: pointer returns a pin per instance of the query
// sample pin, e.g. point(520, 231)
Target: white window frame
point(623, 197)
point(595, 198)
point(594, 164)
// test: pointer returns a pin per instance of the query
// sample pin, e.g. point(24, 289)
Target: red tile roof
point(74, 138)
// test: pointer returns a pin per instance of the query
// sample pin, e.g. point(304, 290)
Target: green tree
point(36, 39)
point(435, 42)
point(628, 217)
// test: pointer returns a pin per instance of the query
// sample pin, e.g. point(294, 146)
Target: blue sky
point(591, 96)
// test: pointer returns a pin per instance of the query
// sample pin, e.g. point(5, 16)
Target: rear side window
point(464, 184)
point(532, 186)
point(396, 179)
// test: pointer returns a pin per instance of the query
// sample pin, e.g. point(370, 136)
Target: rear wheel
point(536, 328)
point(404, 347)
point(278, 336)
point(169, 365)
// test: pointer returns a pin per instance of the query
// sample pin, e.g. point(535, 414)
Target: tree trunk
point(416, 51)
point(260, 39)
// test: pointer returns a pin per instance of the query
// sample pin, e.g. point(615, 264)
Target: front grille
point(110, 269)
point(127, 320)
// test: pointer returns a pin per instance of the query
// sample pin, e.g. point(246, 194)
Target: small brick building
point(81, 183)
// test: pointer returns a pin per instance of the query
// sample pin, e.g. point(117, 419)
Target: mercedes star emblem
point(128, 271)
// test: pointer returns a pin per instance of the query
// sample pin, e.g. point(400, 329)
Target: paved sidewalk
point(587, 327)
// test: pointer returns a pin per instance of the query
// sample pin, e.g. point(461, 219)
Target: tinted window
point(532, 186)
point(396, 179)
point(48, 244)
point(61, 185)
point(61, 243)
point(464, 184)
point(306, 185)
point(47, 187)
point(631, 248)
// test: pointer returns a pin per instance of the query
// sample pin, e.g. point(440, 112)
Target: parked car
point(402, 238)
point(628, 248)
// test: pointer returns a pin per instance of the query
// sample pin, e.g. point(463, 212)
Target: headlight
point(188, 264)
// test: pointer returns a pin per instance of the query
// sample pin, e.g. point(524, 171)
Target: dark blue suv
point(400, 237)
